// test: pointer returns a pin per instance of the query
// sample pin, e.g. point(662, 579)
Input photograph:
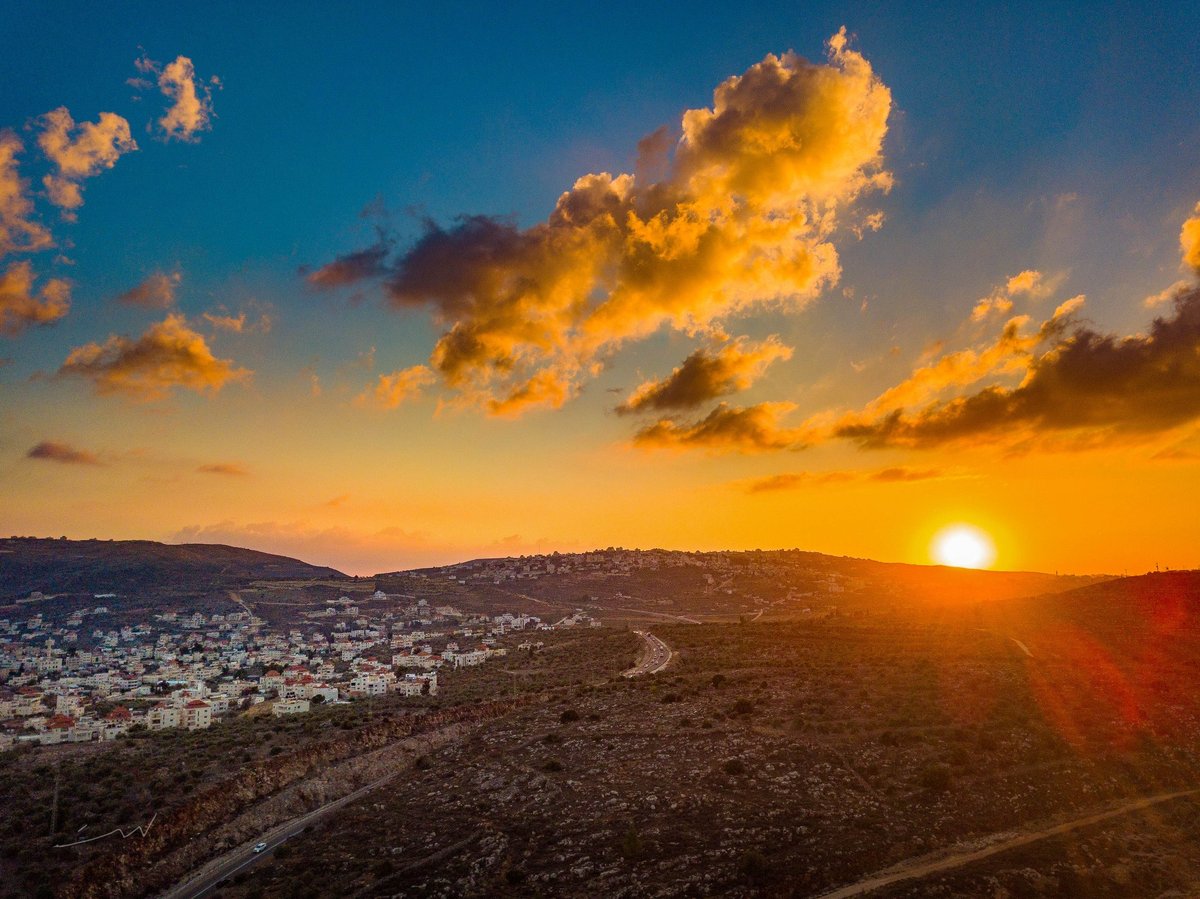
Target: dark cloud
point(157, 291)
point(53, 451)
point(706, 375)
point(232, 469)
point(746, 429)
point(351, 268)
point(1127, 386)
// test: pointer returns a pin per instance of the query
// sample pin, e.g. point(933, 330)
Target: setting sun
point(963, 546)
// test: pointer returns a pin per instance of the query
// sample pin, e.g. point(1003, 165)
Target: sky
point(389, 285)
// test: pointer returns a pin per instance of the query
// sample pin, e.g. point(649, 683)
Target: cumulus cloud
point(393, 389)
point(706, 375)
point(1100, 386)
point(19, 233)
point(1030, 283)
point(1189, 241)
point(157, 291)
point(726, 428)
point(743, 215)
point(63, 453)
point(229, 469)
point(167, 356)
point(190, 109)
point(79, 152)
point(794, 480)
point(21, 305)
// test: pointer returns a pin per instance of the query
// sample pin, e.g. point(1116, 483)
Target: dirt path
point(923, 867)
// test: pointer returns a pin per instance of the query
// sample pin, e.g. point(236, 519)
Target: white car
point(259, 847)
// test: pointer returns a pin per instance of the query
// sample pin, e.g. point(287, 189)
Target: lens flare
point(963, 546)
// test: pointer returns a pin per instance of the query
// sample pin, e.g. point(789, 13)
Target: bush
point(553, 766)
point(568, 716)
point(631, 843)
point(735, 767)
point(753, 866)
point(743, 707)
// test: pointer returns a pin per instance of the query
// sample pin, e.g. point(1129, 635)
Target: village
point(87, 678)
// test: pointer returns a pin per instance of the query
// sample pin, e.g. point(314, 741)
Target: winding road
point(657, 656)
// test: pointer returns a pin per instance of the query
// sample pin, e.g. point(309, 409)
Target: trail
point(918, 867)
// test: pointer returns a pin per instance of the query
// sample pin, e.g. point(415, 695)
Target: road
point(223, 866)
point(916, 868)
point(657, 656)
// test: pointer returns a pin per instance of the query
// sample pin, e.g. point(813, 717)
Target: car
point(259, 847)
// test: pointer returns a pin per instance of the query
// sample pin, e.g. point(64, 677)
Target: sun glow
point(963, 546)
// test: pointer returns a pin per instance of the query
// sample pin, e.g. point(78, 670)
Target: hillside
point(625, 584)
point(130, 566)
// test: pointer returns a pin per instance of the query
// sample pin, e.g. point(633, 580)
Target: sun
point(963, 546)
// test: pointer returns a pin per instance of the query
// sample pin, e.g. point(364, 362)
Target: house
point(197, 715)
point(289, 707)
point(163, 716)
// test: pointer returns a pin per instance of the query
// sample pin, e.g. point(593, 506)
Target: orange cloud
point(80, 152)
point(63, 453)
point(393, 389)
point(742, 215)
point(706, 375)
point(726, 428)
point(157, 291)
point(19, 233)
point(21, 306)
point(237, 324)
point(1167, 294)
point(1189, 241)
point(190, 111)
point(167, 356)
point(1030, 283)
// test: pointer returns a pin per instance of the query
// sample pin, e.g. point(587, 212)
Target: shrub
point(936, 778)
point(568, 716)
point(553, 766)
point(753, 866)
point(735, 767)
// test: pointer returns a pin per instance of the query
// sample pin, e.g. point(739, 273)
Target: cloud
point(19, 233)
point(22, 306)
point(63, 453)
point(230, 469)
point(190, 111)
point(1167, 294)
point(706, 375)
point(393, 389)
point(157, 291)
point(1029, 283)
point(726, 428)
point(1189, 241)
point(237, 324)
point(351, 268)
point(796, 480)
point(167, 356)
point(79, 152)
point(743, 216)
point(1102, 386)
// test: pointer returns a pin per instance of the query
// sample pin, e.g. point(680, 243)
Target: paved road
point(917, 868)
point(244, 857)
point(658, 656)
